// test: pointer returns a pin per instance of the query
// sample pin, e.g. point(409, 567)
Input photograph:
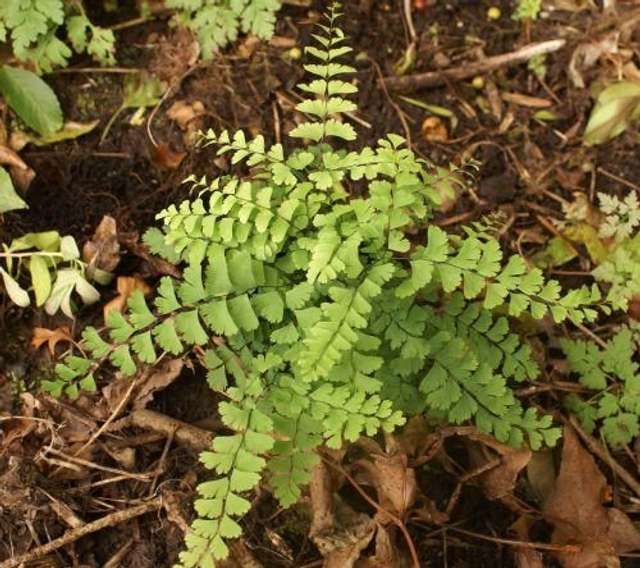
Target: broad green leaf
point(31, 98)
point(9, 199)
point(69, 131)
point(616, 108)
point(14, 291)
point(40, 278)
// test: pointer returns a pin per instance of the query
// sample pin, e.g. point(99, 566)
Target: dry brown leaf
point(498, 481)
point(164, 158)
point(51, 337)
point(576, 511)
point(587, 54)
point(157, 378)
point(21, 173)
point(526, 100)
point(435, 130)
point(325, 481)
point(126, 286)
point(541, 473)
point(394, 481)
point(10, 158)
point(102, 252)
point(182, 112)
point(525, 557)
point(339, 532)
point(388, 554)
point(413, 438)
point(126, 456)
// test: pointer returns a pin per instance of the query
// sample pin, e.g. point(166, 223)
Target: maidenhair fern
point(612, 374)
point(326, 306)
point(36, 30)
point(527, 9)
point(218, 22)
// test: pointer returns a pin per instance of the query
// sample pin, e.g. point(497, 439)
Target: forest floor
point(476, 503)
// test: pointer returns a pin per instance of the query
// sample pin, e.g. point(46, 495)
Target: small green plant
point(217, 23)
point(52, 265)
point(622, 217)
point(617, 108)
point(621, 268)
point(622, 272)
point(527, 9)
point(327, 306)
point(612, 373)
point(538, 65)
point(35, 29)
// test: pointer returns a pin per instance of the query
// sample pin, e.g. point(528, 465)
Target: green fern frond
point(216, 23)
point(321, 311)
point(327, 87)
point(34, 28)
point(612, 373)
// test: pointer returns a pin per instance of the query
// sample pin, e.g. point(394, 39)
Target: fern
point(316, 316)
point(217, 23)
point(527, 9)
point(622, 272)
point(35, 27)
point(612, 373)
point(622, 216)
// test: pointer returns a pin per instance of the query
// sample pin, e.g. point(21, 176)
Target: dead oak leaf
point(51, 337)
point(102, 252)
point(156, 379)
point(182, 112)
point(395, 482)
point(21, 173)
point(164, 158)
point(504, 465)
point(575, 508)
point(126, 286)
point(339, 532)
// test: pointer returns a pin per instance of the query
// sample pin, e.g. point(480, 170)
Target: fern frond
point(327, 87)
point(612, 373)
point(216, 23)
point(320, 312)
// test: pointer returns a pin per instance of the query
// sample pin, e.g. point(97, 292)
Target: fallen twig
point(183, 433)
point(435, 78)
point(597, 448)
point(75, 534)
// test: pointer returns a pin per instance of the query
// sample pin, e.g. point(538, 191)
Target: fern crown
point(317, 315)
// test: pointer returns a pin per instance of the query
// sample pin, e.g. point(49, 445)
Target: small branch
point(435, 78)
point(183, 433)
point(75, 534)
point(408, 16)
point(597, 448)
